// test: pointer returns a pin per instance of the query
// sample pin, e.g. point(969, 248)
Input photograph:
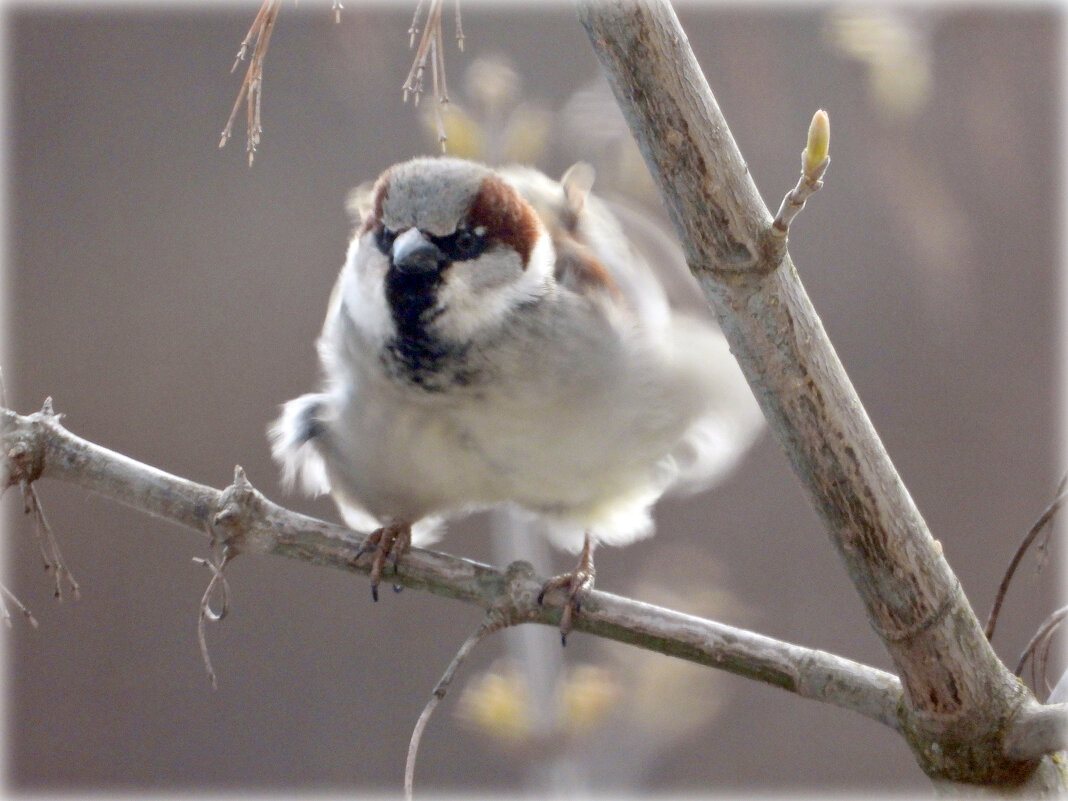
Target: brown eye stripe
point(506, 217)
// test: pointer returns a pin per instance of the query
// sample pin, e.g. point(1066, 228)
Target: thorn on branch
point(238, 505)
point(814, 161)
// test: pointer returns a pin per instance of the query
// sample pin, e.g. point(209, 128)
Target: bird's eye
point(464, 244)
point(384, 239)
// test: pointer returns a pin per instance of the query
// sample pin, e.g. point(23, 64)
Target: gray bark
point(958, 695)
point(37, 446)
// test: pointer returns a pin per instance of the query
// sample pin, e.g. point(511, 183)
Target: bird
point(495, 338)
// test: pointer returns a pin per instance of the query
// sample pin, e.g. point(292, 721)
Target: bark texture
point(244, 521)
point(958, 694)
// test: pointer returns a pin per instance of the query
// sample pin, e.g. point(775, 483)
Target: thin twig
point(1043, 543)
point(1038, 647)
point(493, 621)
point(430, 50)
point(206, 613)
point(1043, 521)
point(795, 200)
point(242, 51)
point(459, 28)
point(814, 163)
point(6, 593)
point(413, 29)
point(442, 93)
point(47, 543)
point(255, 128)
point(250, 37)
point(258, 38)
point(413, 84)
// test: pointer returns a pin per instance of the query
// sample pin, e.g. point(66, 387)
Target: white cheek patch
point(479, 294)
point(362, 288)
point(496, 268)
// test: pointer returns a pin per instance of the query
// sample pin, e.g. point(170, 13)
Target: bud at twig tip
point(818, 144)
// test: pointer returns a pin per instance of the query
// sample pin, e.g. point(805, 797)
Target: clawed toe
point(577, 585)
point(388, 543)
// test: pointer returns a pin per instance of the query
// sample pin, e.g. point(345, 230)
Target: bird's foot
point(577, 585)
point(388, 543)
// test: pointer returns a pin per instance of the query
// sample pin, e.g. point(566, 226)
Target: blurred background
point(167, 296)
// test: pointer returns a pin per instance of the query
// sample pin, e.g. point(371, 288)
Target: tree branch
point(37, 446)
point(959, 695)
point(1037, 729)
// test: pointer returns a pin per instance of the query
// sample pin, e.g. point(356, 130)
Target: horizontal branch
point(37, 446)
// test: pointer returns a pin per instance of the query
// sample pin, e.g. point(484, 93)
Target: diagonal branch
point(959, 695)
point(37, 446)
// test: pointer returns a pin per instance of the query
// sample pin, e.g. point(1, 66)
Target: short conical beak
point(414, 253)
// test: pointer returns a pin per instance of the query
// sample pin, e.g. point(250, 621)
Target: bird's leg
point(389, 542)
point(577, 585)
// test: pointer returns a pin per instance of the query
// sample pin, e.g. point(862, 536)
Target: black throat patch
point(415, 354)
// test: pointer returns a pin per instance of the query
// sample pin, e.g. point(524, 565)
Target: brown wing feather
point(579, 270)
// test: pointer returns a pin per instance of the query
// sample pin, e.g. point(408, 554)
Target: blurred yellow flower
point(497, 704)
point(588, 694)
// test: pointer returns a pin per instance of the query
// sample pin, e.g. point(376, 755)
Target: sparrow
point(495, 337)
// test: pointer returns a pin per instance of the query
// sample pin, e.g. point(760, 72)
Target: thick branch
point(959, 694)
point(37, 446)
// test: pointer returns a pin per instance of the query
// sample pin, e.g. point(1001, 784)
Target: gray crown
point(432, 194)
